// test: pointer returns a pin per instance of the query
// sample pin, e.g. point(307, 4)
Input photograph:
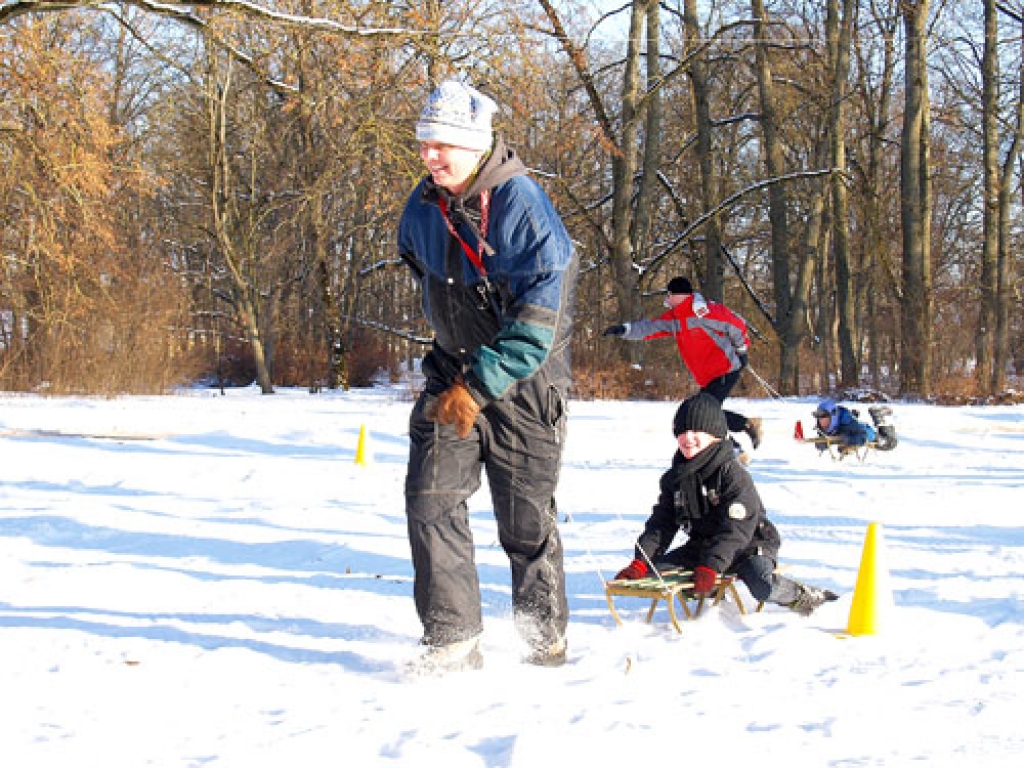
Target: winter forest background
point(209, 190)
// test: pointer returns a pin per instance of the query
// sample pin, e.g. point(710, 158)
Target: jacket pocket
point(557, 412)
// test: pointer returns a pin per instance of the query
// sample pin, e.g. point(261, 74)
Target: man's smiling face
point(450, 167)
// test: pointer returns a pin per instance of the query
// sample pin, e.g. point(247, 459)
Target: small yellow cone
point(872, 604)
point(363, 456)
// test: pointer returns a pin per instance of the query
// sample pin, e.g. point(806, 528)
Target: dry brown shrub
point(299, 363)
point(370, 359)
point(231, 365)
point(963, 390)
point(623, 382)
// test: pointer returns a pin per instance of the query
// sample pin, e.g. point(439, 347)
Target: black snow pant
point(720, 389)
point(518, 441)
point(757, 572)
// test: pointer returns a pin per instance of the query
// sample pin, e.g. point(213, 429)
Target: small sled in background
point(885, 437)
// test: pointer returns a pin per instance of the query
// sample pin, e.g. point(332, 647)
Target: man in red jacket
point(712, 342)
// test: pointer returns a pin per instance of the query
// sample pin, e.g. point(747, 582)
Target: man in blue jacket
point(497, 272)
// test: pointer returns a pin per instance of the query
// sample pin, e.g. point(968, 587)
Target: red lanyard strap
point(476, 257)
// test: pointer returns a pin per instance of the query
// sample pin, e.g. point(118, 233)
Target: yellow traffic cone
point(872, 597)
point(363, 455)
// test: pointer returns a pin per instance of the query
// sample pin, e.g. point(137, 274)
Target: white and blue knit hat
point(458, 115)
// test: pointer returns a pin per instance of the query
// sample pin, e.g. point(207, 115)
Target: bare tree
point(875, 50)
point(839, 33)
point(713, 267)
point(988, 305)
point(916, 207)
point(1007, 297)
point(635, 145)
point(230, 222)
point(992, 338)
point(772, 153)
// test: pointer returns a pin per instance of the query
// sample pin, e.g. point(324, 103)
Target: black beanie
point(700, 413)
point(679, 285)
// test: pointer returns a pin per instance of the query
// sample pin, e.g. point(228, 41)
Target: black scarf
point(689, 476)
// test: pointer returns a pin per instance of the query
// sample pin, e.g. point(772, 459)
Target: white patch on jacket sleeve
point(737, 511)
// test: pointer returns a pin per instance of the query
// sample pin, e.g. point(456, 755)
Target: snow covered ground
point(224, 585)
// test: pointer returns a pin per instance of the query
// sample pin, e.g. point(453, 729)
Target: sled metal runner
point(839, 451)
point(670, 586)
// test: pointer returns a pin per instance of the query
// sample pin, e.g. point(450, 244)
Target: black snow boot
point(881, 415)
point(755, 432)
point(810, 598)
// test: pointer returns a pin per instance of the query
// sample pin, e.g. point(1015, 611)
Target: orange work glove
point(455, 406)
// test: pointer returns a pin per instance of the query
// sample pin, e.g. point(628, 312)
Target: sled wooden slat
point(671, 586)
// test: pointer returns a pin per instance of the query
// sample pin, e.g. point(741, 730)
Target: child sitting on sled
point(834, 420)
point(709, 495)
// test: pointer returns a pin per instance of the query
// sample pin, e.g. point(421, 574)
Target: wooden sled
point(672, 585)
point(885, 439)
point(838, 451)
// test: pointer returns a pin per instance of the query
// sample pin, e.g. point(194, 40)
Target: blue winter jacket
point(493, 339)
point(845, 425)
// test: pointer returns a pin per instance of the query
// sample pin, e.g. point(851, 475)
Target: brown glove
point(457, 407)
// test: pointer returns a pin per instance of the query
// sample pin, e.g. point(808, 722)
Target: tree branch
point(1015, 15)
point(700, 220)
point(407, 335)
point(182, 11)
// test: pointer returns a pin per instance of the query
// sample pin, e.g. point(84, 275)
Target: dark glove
point(635, 570)
point(614, 330)
point(455, 406)
point(704, 580)
point(821, 441)
point(744, 360)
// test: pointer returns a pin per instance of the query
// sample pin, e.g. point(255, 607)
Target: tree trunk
point(815, 242)
point(875, 104)
point(915, 209)
point(624, 167)
point(988, 288)
point(839, 36)
point(652, 132)
point(774, 164)
point(1004, 276)
point(224, 212)
point(712, 270)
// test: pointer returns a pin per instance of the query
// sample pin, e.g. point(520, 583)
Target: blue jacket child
point(834, 420)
